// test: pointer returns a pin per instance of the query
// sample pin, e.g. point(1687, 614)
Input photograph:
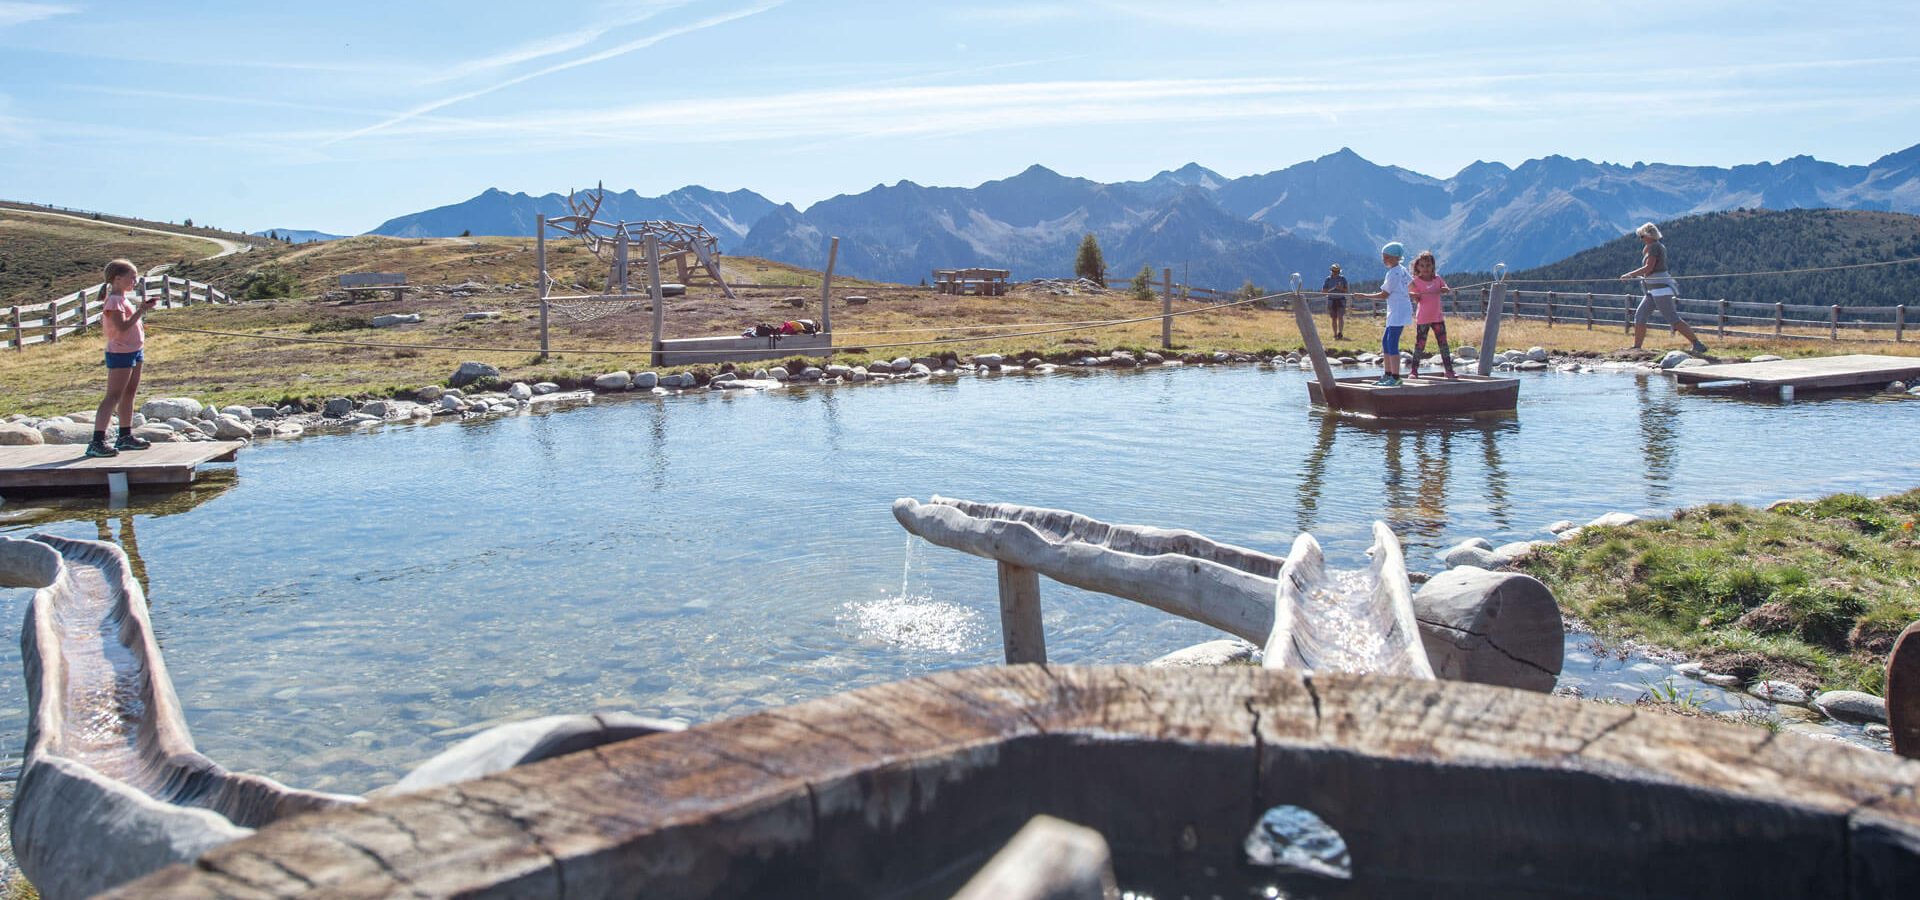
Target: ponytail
point(116, 269)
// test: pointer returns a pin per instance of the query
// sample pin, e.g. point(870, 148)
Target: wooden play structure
point(693, 252)
point(1476, 393)
point(982, 282)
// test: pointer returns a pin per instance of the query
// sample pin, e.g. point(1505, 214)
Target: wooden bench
point(358, 283)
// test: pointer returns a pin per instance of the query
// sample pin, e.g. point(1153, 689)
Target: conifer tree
point(1089, 263)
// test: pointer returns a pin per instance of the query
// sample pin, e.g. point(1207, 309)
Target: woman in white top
point(1660, 289)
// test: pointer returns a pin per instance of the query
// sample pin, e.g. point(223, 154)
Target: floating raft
point(1419, 396)
point(67, 466)
point(1821, 373)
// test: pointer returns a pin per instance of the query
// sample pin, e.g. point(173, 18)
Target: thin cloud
point(1030, 14)
point(22, 13)
point(551, 46)
point(602, 56)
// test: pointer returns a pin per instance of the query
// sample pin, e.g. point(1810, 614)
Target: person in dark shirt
point(1335, 287)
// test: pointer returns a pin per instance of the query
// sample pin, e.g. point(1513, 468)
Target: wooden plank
point(1822, 372)
point(67, 465)
point(373, 279)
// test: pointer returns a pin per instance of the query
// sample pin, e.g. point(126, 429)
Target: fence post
point(19, 340)
point(1166, 309)
point(1833, 322)
point(540, 276)
point(1723, 317)
point(1779, 317)
point(1550, 299)
point(1021, 634)
point(1589, 310)
point(53, 321)
point(1900, 323)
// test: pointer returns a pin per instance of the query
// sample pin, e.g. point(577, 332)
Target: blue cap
point(1394, 249)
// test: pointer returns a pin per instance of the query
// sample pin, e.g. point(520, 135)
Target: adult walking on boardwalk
point(1661, 290)
point(1335, 287)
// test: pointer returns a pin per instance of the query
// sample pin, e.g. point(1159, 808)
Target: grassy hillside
point(1765, 240)
point(47, 256)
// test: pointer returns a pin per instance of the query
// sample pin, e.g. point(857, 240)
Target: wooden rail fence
point(48, 323)
point(1722, 317)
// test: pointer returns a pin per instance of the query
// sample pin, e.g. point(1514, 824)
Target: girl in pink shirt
point(1427, 289)
point(126, 351)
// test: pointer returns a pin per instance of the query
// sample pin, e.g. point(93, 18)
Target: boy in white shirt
point(1393, 289)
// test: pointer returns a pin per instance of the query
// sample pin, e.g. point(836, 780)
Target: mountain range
point(1222, 231)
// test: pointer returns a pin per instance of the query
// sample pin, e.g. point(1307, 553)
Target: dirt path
point(227, 248)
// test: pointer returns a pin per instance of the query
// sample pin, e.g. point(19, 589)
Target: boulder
point(547, 387)
point(642, 381)
point(721, 378)
point(479, 314)
point(162, 434)
point(1469, 555)
point(171, 408)
point(1124, 360)
point(1531, 365)
point(1779, 692)
point(1466, 351)
point(14, 434)
point(378, 409)
point(794, 301)
point(52, 432)
point(392, 319)
point(1151, 358)
point(1613, 520)
point(1536, 354)
point(901, 364)
point(264, 412)
point(470, 372)
point(1673, 358)
point(429, 394)
point(84, 417)
point(520, 390)
point(855, 300)
point(1507, 554)
point(612, 381)
point(778, 373)
point(1228, 652)
point(231, 428)
point(837, 370)
point(990, 360)
point(1691, 362)
point(1562, 525)
point(860, 374)
point(1499, 628)
point(1852, 706)
point(919, 369)
point(337, 408)
point(812, 373)
point(1896, 387)
point(450, 403)
point(182, 426)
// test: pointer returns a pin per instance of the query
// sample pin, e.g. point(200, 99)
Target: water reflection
point(1658, 438)
point(1413, 462)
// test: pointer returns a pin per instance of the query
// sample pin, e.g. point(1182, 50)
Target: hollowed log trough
point(1438, 788)
point(1296, 607)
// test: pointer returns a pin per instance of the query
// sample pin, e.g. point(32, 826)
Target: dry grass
point(66, 377)
point(48, 256)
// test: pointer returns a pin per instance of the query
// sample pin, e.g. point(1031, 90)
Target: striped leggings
point(1439, 330)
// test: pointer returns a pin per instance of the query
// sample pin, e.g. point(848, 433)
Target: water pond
point(340, 608)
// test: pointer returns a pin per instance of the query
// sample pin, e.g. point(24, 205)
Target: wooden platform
point(67, 467)
point(1821, 373)
point(687, 351)
point(1420, 396)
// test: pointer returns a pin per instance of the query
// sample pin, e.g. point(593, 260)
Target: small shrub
point(265, 284)
point(339, 323)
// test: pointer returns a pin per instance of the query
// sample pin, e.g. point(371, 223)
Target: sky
point(338, 115)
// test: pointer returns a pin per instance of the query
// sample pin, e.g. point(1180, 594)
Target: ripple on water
point(920, 623)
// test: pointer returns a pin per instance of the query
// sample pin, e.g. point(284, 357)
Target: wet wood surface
point(1438, 788)
point(67, 465)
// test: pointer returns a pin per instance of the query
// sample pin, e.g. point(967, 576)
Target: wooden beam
point(826, 288)
point(1021, 634)
point(659, 299)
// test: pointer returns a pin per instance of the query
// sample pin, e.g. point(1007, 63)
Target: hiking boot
point(132, 442)
point(100, 450)
point(1699, 349)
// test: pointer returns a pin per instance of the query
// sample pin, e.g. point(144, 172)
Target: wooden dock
point(1821, 373)
point(66, 467)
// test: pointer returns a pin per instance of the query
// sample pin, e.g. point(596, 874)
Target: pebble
point(1718, 680)
point(1779, 692)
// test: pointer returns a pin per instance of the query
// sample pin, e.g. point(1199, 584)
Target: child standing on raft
point(1393, 289)
point(126, 350)
point(1427, 289)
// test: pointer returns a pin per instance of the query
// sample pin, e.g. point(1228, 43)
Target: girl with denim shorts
point(126, 352)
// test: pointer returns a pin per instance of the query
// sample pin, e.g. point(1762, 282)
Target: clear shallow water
point(350, 605)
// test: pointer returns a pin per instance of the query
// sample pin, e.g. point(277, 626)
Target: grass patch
point(1809, 592)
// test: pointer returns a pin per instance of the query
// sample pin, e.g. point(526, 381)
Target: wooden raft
point(67, 467)
point(1819, 373)
point(1438, 789)
point(1477, 393)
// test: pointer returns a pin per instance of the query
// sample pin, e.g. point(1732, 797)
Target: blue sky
point(338, 115)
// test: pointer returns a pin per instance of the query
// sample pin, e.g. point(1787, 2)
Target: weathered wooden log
point(1903, 692)
point(1435, 788)
point(1048, 860)
point(1492, 627)
point(1231, 588)
point(112, 787)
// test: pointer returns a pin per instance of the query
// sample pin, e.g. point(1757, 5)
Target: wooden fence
point(1722, 318)
point(50, 322)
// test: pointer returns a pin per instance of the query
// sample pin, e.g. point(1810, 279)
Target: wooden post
point(1833, 322)
point(19, 340)
point(1310, 333)
point(1490, 339)
point(1900, 323)
point(1589, 310)
point(1166, 309)
point(540, 276)
point(53, 321)
point(1021, 633)
point(1779, 315)
point(826, 291)
point(659, 298)
point(620, 256)
point(1723, 317)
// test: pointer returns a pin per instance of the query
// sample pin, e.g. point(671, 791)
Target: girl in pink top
point(126, 351)
point(1427, 289)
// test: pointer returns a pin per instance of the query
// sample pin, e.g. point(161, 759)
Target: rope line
point(287, 338)
point(1801, 271)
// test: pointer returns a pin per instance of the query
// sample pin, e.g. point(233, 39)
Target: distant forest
point(1756, 241)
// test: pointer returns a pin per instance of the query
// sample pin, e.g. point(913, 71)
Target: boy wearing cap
point(1393, 289)
point(1335, 287)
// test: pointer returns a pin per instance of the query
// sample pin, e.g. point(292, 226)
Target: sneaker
point(1387, 381)
point(100, 450)
point(132, 442)
point(1699, 349)
point(1452, 377)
